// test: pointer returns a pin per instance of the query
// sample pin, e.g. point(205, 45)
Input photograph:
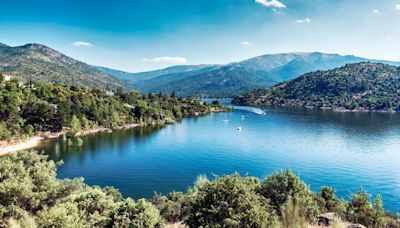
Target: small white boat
point(225, 121)
point(239, 128)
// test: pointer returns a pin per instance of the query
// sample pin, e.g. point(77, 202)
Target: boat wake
point(250, 109)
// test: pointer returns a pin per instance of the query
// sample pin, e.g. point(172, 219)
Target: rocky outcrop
point(327, 219)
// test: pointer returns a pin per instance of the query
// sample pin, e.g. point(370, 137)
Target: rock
point(169, 121)
point(356, 226)
point(327, 219)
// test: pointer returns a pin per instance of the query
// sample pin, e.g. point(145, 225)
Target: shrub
point(94, 205)
point(330, 202)
point(361, 210)
point(292, 212)
point(28, 129)
point(283, 186)
point(171, 207)
point(4, 132)
point(230, 201)
point(28, 181)
point(137, 215)
point(63, 215)
point(14, 216)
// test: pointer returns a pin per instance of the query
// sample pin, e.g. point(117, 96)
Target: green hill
point(26, 110)
point(359, 86)
point(41, 63)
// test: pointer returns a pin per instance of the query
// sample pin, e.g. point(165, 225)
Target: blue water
point(347, 151)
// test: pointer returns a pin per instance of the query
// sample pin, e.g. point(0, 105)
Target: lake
point(347, 151)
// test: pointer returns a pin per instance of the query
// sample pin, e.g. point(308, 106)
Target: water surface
point(345, 150)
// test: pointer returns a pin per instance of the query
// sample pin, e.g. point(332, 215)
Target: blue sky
point(139, 35)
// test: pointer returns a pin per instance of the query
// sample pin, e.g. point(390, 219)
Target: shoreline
point(334, 109)
point(7, 147)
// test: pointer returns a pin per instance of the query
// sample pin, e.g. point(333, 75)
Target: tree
point(75, 125)
point(230, 201)
point(215, 102)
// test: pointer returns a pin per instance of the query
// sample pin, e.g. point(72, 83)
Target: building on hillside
point(110, 93)
point(7, 77)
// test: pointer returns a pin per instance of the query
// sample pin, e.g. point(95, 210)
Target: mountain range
point(41, 63)
point(233, 79)
point(357, 86)
point(38, 62)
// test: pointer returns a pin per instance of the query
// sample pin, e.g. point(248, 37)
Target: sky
point(142, 35)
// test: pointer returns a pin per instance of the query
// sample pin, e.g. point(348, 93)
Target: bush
point(94, 205)
point(330, 203)
point(284, 186)
point(28, 129)
point(137, 215)
point(4, 132)
point(171, 207)
point(63, 215)
point(13, 216)
point(30, 191)
point(28, 181)
point(292, 212)
point(230, 201)
point(361, 210)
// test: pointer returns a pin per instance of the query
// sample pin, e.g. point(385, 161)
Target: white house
point(7, 77)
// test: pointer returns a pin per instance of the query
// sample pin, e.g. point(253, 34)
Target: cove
point(347, 151)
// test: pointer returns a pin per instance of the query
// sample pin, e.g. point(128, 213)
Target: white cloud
point(167, 59)
point(376, 11)
point(398, 6)
point(82, 44)
point(305, 20)
point(246, 43)
point(271, 3)
point(389, 38)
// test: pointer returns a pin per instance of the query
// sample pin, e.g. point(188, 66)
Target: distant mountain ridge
point(233, 79)
point(358, 86)
point(39, 62)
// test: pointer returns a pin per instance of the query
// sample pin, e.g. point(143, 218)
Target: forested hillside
point(37, 62)
point(360, 86)
point(29, 108)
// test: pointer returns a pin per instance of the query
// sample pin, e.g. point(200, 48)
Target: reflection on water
point(343, 150)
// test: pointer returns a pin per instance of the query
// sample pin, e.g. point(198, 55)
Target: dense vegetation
point(360, 86)
point(32, 196)
point(37, 62)
point(40, 107)
point(235, 78)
